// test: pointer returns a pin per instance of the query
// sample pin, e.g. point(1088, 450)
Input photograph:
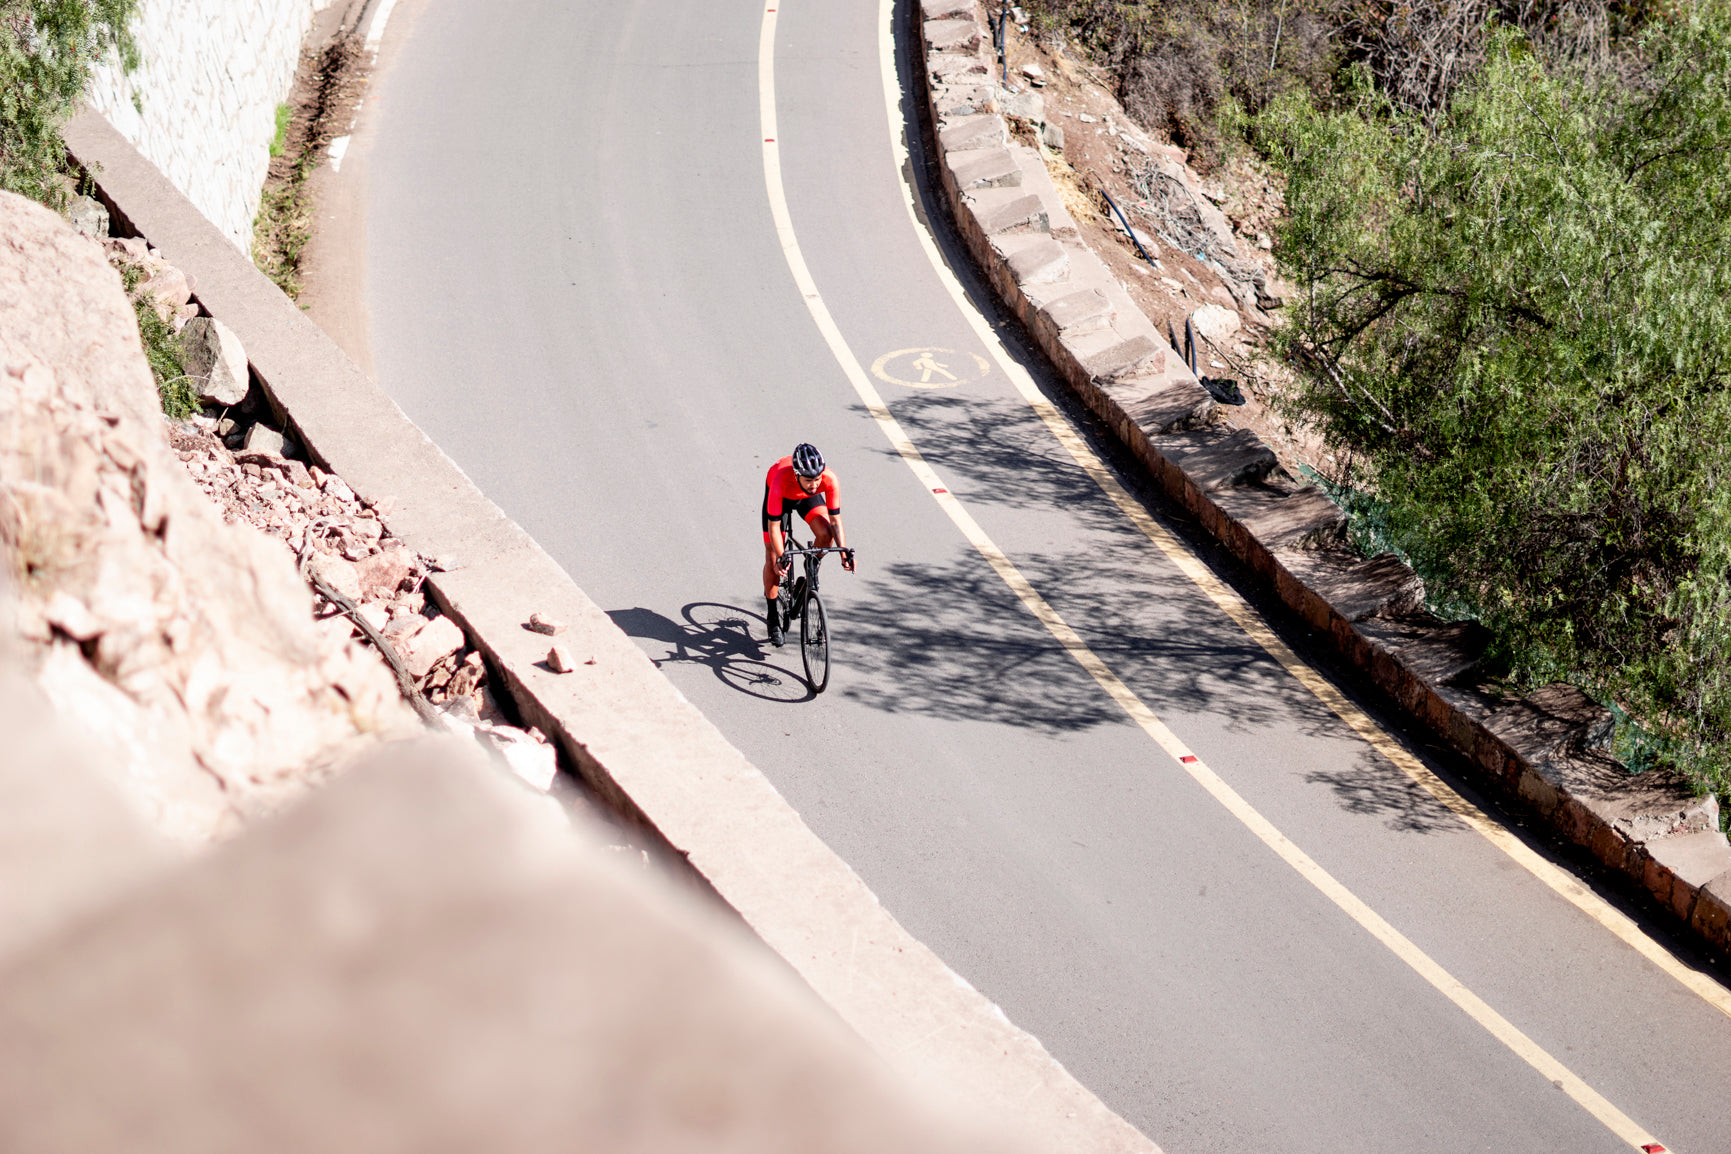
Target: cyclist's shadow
point(719, 636)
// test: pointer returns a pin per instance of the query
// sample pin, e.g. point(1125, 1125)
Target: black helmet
point(807, 461)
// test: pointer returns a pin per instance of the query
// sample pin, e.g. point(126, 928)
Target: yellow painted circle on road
point(929, 368)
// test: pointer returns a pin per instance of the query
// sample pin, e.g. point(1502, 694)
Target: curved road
point(577, 288)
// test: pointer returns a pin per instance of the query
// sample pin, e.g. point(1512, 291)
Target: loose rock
point(1216, 322)
point(338, 574)
point(213, 353)
point(533, 761)
point(264, 439)
point(559, 660)
point(438, 640)
point(167, 289)
point(547, 625)
point(88, 216)
point(383, 573)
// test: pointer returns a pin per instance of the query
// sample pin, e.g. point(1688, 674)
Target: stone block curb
point(643, 749)
point(1542, 750)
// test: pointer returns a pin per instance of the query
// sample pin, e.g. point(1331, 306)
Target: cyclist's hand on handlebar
point(847, 560)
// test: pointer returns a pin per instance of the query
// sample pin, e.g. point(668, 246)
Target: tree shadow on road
point(952, 640)
point(1376, 789)
point(720, 637)
point(1004, 452)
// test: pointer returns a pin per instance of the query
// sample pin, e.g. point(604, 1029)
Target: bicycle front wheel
point(814, 642)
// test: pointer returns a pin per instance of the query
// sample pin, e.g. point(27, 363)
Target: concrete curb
point(1548, 749)
point(644, 750)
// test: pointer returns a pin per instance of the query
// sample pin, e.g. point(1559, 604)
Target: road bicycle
point(799, 597)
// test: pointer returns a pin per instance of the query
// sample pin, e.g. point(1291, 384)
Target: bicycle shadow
point(720, 637)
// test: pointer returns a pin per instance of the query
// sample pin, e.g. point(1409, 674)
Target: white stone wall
point(212, 75)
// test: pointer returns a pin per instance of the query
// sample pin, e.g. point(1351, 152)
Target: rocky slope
point(185, 644)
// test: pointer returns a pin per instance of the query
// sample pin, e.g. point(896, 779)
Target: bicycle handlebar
point(788, 554)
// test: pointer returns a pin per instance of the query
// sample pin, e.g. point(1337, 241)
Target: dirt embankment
point(1197, 247)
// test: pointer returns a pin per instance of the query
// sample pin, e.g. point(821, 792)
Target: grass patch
point(305, 127)
point(281, 231)
point(283, 112)
point(162, 350)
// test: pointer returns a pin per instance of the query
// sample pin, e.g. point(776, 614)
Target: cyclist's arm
point(841, 542)
point(832, 500)
point(772, 507)
point(777, 543)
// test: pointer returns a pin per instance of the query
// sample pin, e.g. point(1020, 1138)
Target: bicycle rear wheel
point(814, 642)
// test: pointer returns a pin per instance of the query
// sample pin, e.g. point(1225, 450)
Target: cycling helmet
point(807, 461)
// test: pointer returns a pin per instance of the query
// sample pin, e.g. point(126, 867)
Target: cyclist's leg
point(771, 578)
point(818, 519)
point(771, 573)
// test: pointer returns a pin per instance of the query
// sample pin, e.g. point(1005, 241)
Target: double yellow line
point(1222, 596)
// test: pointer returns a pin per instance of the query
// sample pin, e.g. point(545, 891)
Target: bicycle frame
point(792, 548)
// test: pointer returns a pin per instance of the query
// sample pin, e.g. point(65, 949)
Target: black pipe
point(1128, 231)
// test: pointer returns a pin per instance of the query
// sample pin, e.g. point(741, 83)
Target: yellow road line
point(1420, 962)
point(1247, 619)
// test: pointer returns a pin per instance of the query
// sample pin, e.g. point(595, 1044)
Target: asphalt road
point(576, 288)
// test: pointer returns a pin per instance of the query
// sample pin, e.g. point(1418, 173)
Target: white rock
point(529, 759)
point(559, 660)
point(1026, 106)
point(1216, 322)
point(338, 574)
point(214, 354)
point(167, 288)
point(403, 627)
point(262, 438)
point(437, 640)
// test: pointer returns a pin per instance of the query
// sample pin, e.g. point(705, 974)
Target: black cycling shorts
point(804, 507)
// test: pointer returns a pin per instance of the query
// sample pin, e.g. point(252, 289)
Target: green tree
point(1516, 318)
point(47, 51)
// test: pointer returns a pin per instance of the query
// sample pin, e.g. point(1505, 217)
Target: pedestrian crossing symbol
point(929, 368)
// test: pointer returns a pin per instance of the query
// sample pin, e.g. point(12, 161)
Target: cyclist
point(798, 483)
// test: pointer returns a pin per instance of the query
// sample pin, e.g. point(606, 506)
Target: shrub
point(47, 50)
point(1182, 64)
point(1421, 54)
point(1515, 315)
point(1190, 69)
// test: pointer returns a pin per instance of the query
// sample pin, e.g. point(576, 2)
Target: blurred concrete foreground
point(426, 956)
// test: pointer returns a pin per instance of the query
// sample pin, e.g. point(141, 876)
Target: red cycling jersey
point(781, 487)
